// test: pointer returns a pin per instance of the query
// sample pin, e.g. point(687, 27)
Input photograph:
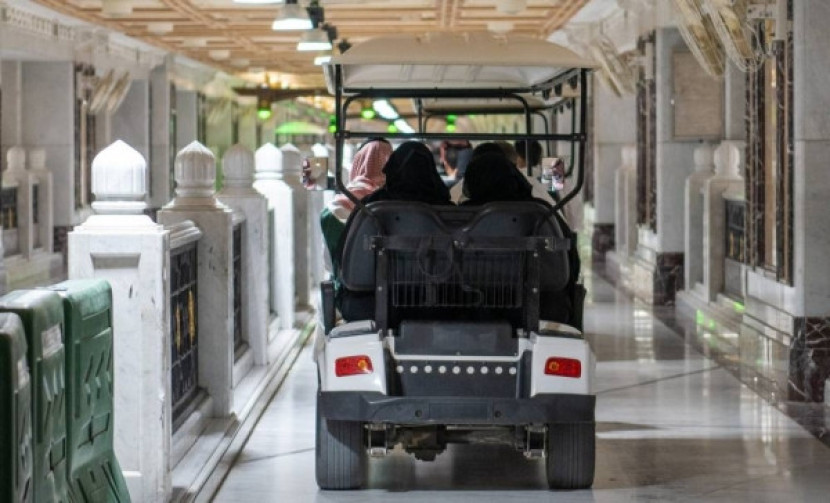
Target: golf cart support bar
point(366, 406)
point(569, 77)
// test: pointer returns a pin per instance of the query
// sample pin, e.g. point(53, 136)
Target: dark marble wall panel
point(602, 241)
point(809, 359)
point(61, 237)
point(668, 278)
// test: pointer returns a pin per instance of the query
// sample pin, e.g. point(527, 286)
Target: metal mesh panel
point(470, 279)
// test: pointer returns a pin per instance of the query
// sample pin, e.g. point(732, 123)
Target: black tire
point(571, 453)
point(341, 453)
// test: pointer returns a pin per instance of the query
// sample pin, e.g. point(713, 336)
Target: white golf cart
point(458, 323)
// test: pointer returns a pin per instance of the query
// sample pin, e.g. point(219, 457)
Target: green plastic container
point(15, 413)
point(93, 470)
point(42, 315)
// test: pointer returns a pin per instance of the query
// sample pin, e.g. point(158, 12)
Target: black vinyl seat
point(447, 262)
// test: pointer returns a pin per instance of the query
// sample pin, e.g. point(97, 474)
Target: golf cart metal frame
point(552, 417)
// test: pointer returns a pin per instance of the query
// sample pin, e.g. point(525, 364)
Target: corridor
point(672, 425)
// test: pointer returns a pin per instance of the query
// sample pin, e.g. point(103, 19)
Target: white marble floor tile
point(672, 425)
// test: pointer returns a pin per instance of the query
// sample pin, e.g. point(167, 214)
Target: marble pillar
point(130, 122)
point(187, 118)
point(694, 248)
point(268, 160)
point(47, 122)
point(658, 269)
point(610, 137)
point(617, 262)
point(126, 248)
point(296, 193)
point(44, 238)
point(19, 240)
point(196, 201)
point(727, 182)
point(160, 178)
point(239, 194)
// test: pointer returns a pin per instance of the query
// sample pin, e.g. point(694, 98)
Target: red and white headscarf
point(365, 177)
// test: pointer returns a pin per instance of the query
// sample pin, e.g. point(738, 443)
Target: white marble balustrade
point(126, 248)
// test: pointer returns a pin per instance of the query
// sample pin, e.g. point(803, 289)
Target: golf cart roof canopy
point(470, 60)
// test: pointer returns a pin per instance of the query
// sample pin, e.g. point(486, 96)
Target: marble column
point(239, 194)
point(131, 121)
point(295, 193)
point(694, 250)
point(196, 201)
point(727, 182)
point(160, 179)
point(187, 118)
point(45, 216)
point(805, 304)
point(617, 262)
point(126, 248)
point(268, 160)
point(610, 136)
point(658, 270)
point(47, 122)
point(19, 241)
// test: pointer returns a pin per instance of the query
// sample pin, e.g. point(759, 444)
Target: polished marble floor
point(672, 425)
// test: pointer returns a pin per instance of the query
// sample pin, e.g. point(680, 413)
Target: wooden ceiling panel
point(245, 30)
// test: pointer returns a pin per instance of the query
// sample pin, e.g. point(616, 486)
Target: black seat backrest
point(523, 219)
point(391, 218)
point(400, 218)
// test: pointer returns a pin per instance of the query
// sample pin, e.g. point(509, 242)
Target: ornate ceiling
point(237, 38)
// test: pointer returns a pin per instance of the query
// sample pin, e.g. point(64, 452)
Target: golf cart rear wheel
point(340, 453)
point(570, 454)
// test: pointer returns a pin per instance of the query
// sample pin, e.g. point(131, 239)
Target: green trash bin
point(42, 316)
point(93, 470)
point(15, 413)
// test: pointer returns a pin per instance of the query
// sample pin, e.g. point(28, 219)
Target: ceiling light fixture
point(116, 8)
point(385, 110)
point(292, 17)
point(318, 39)
point(322, 58)
point(403, 126)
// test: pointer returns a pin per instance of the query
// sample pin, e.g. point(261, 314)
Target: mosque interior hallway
point(672, 425)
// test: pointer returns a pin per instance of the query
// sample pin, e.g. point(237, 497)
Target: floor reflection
point(673, 424)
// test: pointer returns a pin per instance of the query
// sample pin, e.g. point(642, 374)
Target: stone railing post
point(268, 161)
point(693, 206)
point(45, 214)
point(123, 246)
point(195, 174)
point(617, 260)
point(295, 192)
point(729, 159)
point(16, 175)
point(239, 194)
point(625, 202)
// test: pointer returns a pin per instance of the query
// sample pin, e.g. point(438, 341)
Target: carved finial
point(195, 172)
point(292, 164)
point(703, 158)
point(629, 155)
point(37, 159)
point(268, 162)
point(16, 160)
point(238, 166)
point(118, 180)
point(729, 159)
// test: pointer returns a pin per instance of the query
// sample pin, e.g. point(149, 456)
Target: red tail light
point(563, 367)
point(352, 365)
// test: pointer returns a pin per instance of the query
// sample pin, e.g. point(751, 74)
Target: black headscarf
point(411, 176)
point(492, 177)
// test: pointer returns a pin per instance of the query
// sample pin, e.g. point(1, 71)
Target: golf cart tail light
point(353, 365)
point(563, 367)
